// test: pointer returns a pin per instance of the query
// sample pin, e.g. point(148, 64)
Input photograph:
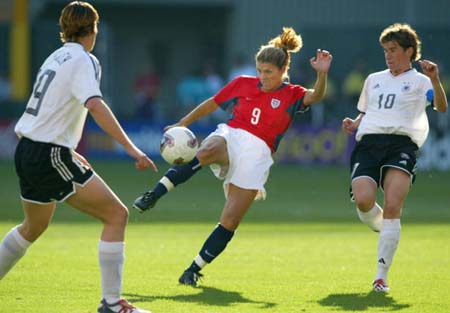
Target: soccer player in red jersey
point(240, 151)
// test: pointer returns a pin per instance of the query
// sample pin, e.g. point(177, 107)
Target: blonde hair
point(78, 19)
point(405, 36)
point(278, 50)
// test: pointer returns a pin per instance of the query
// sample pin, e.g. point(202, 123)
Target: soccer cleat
point(380, 286)
point(121, 306)
point(145, 202)
point(189, 278)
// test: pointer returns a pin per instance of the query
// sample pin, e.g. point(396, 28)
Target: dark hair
point(278, 50)
point(78, 19)
point(405, 36)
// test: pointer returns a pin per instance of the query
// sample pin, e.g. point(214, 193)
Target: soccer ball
point(178, 145)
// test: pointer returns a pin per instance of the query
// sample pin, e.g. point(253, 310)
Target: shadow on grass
point(362, 302)
point(206, 296)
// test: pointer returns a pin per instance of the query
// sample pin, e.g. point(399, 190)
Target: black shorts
point(377, 152)
point(48, 172)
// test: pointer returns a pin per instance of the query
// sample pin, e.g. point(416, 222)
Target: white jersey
point(395, 105)
point(55, 112)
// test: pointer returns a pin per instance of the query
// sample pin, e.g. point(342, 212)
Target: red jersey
point(267, 115)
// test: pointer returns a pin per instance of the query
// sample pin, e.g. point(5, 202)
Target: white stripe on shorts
point(79, 164)
point(62, 164)
point(59, 165)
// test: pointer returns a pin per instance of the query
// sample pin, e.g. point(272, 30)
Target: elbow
point(321, 97)
point(94, 105)
point(313, 96)
point(317, 98)
point(441, 107)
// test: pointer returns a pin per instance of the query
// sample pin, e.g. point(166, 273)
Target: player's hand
point(349, 125)
point(429, 68)
point(322, 61)
point(142, 160)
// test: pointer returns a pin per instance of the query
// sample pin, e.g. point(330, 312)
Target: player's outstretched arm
point(203, 109)
point(104, 117)
point(321, 63)
point(431, 70)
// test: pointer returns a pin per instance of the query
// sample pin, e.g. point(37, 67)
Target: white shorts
point(250, 160)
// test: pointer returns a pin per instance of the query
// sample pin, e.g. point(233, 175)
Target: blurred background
point(160, 58)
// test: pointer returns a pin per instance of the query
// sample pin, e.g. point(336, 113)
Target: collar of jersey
point(403, 73)
point(74, 44)
point(279, 88)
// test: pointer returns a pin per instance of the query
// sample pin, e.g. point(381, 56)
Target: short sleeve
point(86, 79)
point(228, 92)
point(300, 93)
point(364, 97)
point(428, 91)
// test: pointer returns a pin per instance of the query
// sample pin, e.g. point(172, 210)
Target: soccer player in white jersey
point(391, 127)
point(66, 89)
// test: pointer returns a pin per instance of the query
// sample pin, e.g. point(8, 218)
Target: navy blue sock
point(215, 243)
point(178, 174)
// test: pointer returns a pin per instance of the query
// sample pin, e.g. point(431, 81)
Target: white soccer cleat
point(380, 286)
point(121, 306)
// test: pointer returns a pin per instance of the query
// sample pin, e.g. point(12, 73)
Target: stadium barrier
point(304, 145)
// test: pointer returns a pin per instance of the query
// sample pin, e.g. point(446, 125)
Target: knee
point(364, 203)
point(122, 214)
point(392, 210)
point(206, 154)
point(118, 216)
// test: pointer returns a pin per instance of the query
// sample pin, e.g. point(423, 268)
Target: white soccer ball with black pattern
point(178, 145)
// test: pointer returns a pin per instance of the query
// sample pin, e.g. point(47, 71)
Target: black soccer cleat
point(145, 202)
point(189, 278)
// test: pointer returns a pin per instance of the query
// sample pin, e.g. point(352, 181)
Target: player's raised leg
point(369, 212)
point(176, 175)
point(212, 150)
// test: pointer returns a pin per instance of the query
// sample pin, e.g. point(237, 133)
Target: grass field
point(301, 250)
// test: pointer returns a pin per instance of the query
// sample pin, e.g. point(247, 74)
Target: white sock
point(200, 262)
point(167, 183)
point(12, 248)
point(387, 245)
point(373, 218)
point(111, 258)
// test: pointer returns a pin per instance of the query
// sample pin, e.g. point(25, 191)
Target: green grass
point(301, 250)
